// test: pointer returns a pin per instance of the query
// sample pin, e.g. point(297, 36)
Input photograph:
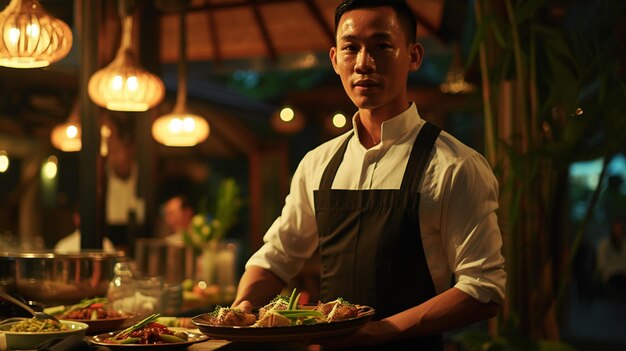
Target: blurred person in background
point(177, 213)
point(71, 243)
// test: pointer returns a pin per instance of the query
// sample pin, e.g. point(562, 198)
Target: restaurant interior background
point(553, 142)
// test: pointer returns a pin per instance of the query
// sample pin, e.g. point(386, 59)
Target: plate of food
point(284, 320)
point(149, 335)
point(27, 333)
point(96, 313)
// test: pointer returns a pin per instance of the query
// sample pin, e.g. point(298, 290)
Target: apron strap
point(420, 153)
point(331, 170)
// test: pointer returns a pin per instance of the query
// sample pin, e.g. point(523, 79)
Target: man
point(71, 243)
point(395, 206)
point(178, 213)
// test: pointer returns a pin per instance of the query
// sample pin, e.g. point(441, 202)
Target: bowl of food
point(57, 279)
point(96, 313)
point(27, 333)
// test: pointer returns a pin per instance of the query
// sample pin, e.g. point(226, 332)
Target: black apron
point(370, 242)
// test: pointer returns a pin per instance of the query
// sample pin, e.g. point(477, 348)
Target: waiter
point(395, 207)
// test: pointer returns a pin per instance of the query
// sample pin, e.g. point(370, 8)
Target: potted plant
point(553, 93)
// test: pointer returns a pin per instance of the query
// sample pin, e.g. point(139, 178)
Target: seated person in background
point(612, 258)
point(178, 213)
point(71, 243)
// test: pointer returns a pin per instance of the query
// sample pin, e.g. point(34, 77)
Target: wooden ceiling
point(234, 29)
point(32, 102)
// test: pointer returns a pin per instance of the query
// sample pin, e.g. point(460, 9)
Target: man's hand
point(372, 333)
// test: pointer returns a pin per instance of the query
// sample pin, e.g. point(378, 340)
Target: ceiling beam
point(234, 4)
point(215, 40)
point(319, 18)
point(269, 44)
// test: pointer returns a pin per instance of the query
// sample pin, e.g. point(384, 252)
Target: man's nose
point(364, 62)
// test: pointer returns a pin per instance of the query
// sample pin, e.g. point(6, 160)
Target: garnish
point(137, 326)
point(293, 300)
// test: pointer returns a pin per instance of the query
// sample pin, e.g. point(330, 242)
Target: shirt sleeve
point(292, 238)
point(470, 231)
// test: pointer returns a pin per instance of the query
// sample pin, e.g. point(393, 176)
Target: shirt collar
point(396, 127)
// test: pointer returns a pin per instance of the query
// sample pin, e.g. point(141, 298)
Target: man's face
point(177, 218)
point(373, 59)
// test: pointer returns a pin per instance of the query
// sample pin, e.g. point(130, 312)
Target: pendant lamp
point(180, 127)
point(31, 37)
point(67, 136)
point(124, 85)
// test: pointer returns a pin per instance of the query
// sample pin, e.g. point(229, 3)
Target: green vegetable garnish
point(170, 338)
point(293, 300)
point(300, 313)
point(84, 303)
point(137, 326)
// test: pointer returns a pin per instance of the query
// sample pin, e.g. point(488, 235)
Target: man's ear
point(333, 57)
point(416, 52)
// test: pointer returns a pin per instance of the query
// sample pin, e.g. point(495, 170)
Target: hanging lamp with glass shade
point(181, 127)
point(30, 37)
point(124, 85)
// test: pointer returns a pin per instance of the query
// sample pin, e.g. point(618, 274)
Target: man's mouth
point(365, 83)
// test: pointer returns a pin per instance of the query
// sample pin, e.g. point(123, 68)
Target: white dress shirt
point(459, 197)
point(71, 243)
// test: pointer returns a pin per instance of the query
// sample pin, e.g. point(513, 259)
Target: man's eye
point(349, 48)
point(384, 46)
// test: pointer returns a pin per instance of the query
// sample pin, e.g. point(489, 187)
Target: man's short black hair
point(404, 13)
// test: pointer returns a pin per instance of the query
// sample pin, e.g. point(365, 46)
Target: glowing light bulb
point(339, 120)
point(176, 125)
point(4, 161)
point(50, 167)
point(188, 124)
point(14, 35)
point(71, 131)
point(132, 83)
point(117, 83)
point(287, 114)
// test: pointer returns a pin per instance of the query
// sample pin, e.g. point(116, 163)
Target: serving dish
point(57, 279)
point(194, 337)
point(30, 340)
point(294, 333)
point(97, 326)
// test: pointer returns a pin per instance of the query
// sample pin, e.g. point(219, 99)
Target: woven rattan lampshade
point(30, 37)
point(67, 136)
point(124, 85)
point(181, 127)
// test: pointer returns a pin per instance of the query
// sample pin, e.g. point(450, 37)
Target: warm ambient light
point(124, 85)
point(180, 127)
point(30, 37)
point(49, 168)
point(287, 114)
point(176, 129)
point(455, 82)
point(287, 120)
point(339, 120)
point(4, 161)
point(67, 136)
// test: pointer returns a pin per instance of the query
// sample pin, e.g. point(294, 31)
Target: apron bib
point(370, 242)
